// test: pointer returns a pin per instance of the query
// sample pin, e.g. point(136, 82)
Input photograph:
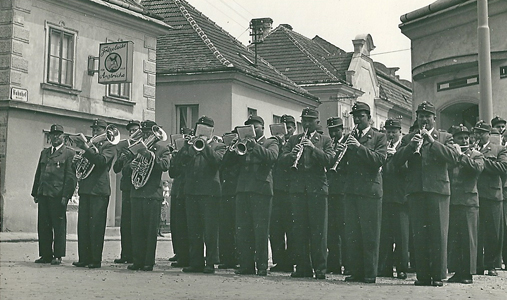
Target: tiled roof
point(302, 59)
point(392, 89)
point(197, 44)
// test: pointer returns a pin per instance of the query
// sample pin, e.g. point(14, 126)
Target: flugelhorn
point(419, 145)
point(340, 155)
point(300, 152)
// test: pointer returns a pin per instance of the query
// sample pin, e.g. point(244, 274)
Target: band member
point(336, 213)
point(490, 200)
point(309, 154)
point(146, 197)
point(498, 123)
point(178, 212)
point(365, 154)
point(280, 227)
point(53, 186)
point(202, 198)
point(395, 223)
point(227, 223)
point(253, 198)
point(123, 165)
point(464, 209)
point(428, 192)
point(94, 192)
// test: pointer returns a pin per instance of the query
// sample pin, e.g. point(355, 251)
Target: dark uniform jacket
point(281, 173)
point(336, 180)
point(123, 166)
point(363, 165)
point(255, 166)
point(55, 176)
point(229, 179)
point(97, 183)
point(176, 172)
point(464, 175)
point(495, 165)
point(153, 188)
point(427, 172)
point(394, 181)
point(311, 174)
point(201, 169)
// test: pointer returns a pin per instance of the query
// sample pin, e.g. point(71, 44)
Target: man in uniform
point(146, 201)
point(308, 191)
point(280, 229)
point(366, 153)
point(336, 213)
point(94, 192)
point(395, 224)
point(53, 186)
point(253, 198)
point(428, 192)
point(123, 165)
point(202, 199)
point(464, 209)
point(490, 200)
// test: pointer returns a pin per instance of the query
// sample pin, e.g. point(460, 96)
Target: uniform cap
point(459, 130)
point(99, 123)
point(132, 123)
point(206, 121)
point(497, 120)
point(147, 125)
point(392, 123)
point(287, 119)
point(254, 119)
point(56, 128)
point(426, 106)
point(334, 122)
point(360, 106)
point(482, 126)
point(310, 113)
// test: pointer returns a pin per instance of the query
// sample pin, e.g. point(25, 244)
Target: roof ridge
point(224, 61)
point(311, 57)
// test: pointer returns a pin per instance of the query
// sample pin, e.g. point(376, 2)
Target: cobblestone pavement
point(20, 278)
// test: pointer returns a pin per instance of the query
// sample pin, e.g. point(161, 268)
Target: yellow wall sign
point(116, 62)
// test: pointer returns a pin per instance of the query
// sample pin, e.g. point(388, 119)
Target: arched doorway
point(465, 113)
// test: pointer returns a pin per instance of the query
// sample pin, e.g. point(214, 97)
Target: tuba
point(142, 166)
point(83, 166)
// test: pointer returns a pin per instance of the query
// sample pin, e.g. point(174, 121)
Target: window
point(252, 112)
point(503, 72)
point(186, 116)
point(457, 83)
point(60, 57)
point(119, 90)
point(277, 119)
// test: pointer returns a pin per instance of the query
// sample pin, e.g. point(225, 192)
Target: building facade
point(48, 74)
point(445, 60)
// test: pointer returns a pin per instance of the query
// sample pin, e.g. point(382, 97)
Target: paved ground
point(20, 278)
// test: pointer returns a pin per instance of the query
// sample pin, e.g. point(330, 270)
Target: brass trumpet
point(300, 152)
point(239, 147)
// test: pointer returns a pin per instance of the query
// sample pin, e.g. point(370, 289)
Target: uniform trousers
point(489, 250)
point(394, 231)
point(429, 217)
point(227, 231)
point(280, 230)
point(362, 226)
point(145, 221)
point(336, 233)
point(51, 227)
point(179, 229)
point(202, 222)
point(504, 248)
point(126, 226)
point(91, 227)
point(463, 222)
point(309, 212)
point(252, 230)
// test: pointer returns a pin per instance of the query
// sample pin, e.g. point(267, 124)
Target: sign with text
point(19, 94)
point(116, 62)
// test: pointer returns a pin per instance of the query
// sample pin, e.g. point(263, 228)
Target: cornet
point(419, 145)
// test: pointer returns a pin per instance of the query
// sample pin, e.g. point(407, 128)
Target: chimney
point(286, 26)
point(363, 44)
point(260, 29)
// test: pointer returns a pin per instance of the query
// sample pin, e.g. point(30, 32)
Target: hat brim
point(251, 122)
point(333, 126)
point(424, 110)
point(56, 131)
point(397, 127)
point(461, 132)
point(498, 122)
point(359, 110)
point(482, 129)
point(309, 117)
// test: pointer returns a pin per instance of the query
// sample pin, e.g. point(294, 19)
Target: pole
point(485, 86)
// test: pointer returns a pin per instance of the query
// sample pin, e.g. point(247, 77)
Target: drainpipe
point(485, 86)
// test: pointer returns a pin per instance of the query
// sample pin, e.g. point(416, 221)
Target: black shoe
point(43, 260)
point(437, 283)
point(467, 279)
point(174, 258)
point(282, 268)
point(134, 267)
point(262, 272)
point(209, 270)
point(94, 266)
point(456, 278)
point(422, 282)
point(80, 264)
point(241, 271)
point(354, 279)
point(56, 261)
point(192, 270)
point(492, 272)
point(226, 266)
point(147, 268)
point(346, 272)
point(320, 274)
point(301, 274)
point(178, 265)
point(122, 260)
point(370, 280)
point(401, 275)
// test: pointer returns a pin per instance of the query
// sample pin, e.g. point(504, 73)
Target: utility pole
point(260, 27)
point(485, 85)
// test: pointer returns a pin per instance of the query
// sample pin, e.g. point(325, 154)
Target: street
point(21, 278)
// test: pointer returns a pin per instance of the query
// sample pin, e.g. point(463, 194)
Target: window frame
point(63, 31)
point(119, 95)
point(191, 123)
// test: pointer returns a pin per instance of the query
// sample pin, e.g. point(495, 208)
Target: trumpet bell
point(199, 144)
point(112, 134)
point(241, 148)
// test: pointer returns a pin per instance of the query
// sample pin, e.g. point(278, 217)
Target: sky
point(337, 21)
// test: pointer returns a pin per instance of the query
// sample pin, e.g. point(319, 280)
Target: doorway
point(465, 113)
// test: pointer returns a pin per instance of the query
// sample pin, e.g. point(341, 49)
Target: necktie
point(359, 134)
